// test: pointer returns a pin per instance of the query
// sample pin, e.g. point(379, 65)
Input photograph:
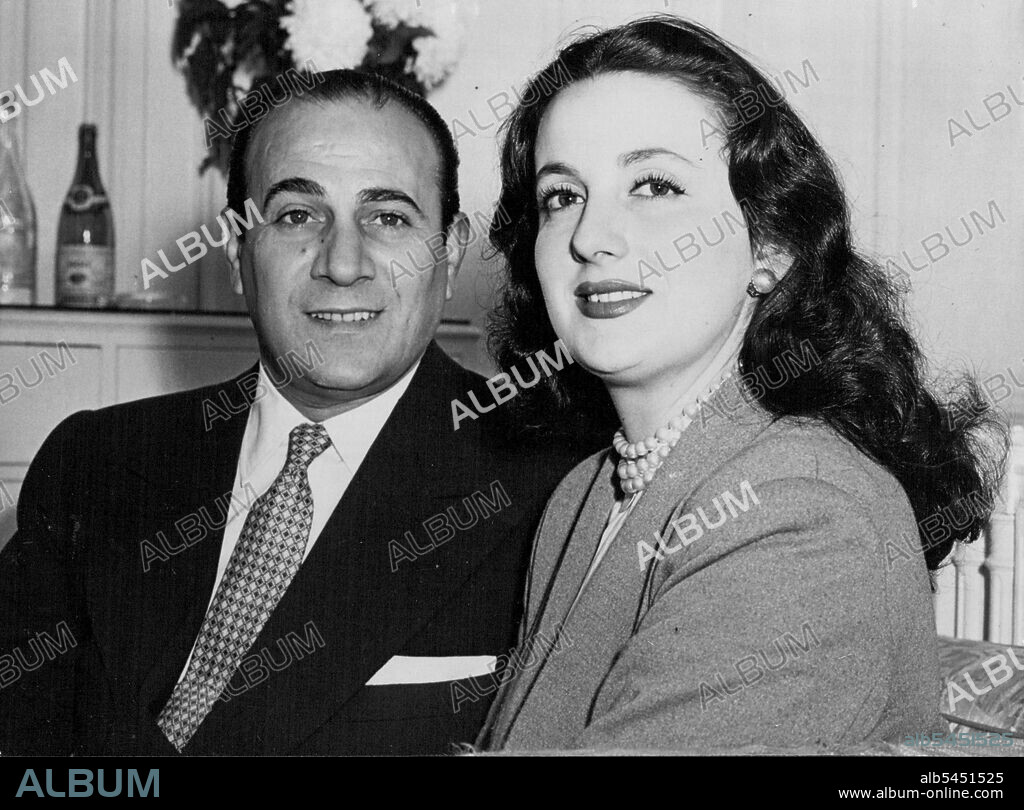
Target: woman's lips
point(609, 299)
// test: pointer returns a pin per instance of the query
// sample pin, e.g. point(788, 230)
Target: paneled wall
point(888, 77)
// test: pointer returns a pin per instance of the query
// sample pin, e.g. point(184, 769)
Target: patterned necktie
point(267, 555)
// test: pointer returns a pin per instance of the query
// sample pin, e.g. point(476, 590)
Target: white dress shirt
point(265, 450)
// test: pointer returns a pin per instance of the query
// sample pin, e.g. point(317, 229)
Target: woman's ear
point(776, 260)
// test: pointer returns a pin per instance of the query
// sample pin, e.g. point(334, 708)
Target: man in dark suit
point(308, 559)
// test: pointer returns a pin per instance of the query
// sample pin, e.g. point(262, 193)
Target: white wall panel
point(39, 377)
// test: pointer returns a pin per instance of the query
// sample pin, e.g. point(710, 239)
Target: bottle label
point(85, 274)
point(82, 198)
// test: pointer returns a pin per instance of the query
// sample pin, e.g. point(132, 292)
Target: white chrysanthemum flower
point(436, 58)
point(333, 33)
point(437, 55)
point(392, 13)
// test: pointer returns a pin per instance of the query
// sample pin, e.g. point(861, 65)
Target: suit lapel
point(176, 590)
point(346, 590)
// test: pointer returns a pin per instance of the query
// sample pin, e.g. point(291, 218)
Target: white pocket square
point(431, 669)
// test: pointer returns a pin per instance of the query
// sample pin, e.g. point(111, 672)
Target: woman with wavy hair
point(734, 569)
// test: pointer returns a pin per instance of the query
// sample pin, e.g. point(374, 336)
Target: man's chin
point(343, 385)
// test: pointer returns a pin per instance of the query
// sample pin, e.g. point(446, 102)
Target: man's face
point(349, 198)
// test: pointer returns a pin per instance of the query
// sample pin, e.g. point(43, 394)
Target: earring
point(762, 283)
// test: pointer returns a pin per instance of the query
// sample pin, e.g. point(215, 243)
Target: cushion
point(984, 685)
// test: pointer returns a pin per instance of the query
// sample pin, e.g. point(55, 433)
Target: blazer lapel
point(611, 606)
point(727, 423)
point(562, 567)
point(558, 569)
point(724, 425)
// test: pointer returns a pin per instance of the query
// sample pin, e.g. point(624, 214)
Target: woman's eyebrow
point(636, 155)
point(625, 159)
point(555, 167)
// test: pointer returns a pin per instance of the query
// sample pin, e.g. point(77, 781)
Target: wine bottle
point(17, 225)
point(85, 235)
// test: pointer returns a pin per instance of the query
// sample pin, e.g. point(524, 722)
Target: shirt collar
point(273, 417)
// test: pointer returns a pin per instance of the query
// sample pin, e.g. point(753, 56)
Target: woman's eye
point(295, 217)
point(557, 199)
point(658, 188)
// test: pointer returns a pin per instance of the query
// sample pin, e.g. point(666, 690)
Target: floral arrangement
point(229, 48)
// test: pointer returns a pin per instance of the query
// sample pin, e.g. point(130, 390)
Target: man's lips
point(610, 298)
point(344, 314)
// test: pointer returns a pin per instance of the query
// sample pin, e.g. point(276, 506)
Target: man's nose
point(342, 257)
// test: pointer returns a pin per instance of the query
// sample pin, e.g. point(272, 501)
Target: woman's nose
point(599, 233)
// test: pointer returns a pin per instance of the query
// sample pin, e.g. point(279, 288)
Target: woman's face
point(642, 251)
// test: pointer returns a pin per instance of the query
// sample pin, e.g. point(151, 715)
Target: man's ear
point(459, 236)
point(233, 252)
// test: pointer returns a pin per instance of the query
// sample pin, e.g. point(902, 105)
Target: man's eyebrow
point(377, 194)
point(294, 185)
point(636, 155)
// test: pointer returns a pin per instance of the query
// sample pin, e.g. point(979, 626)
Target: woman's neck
point(645, 408)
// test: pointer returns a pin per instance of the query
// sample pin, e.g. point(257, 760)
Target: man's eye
point(389, 219)
point(558, 198)
point(295, 217)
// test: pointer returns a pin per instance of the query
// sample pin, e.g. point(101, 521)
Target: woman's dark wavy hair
point(869, 384)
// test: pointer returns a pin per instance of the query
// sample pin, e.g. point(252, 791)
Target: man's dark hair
point(341, 85)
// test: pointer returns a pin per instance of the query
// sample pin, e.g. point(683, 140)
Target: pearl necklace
point(638, 461)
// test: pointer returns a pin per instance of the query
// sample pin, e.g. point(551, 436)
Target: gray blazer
point(786, 603)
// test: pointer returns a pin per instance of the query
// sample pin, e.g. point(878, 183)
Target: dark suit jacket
point(785, 604)
point(124, 618)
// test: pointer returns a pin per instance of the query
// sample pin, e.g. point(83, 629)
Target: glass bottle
point(17, 225)
point(85, 235)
